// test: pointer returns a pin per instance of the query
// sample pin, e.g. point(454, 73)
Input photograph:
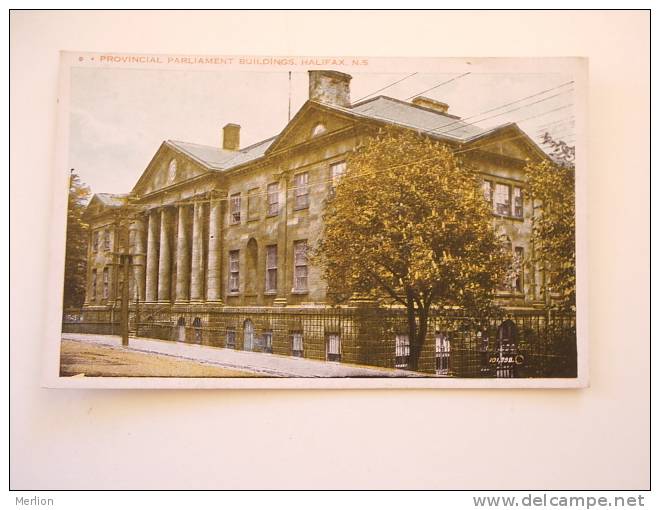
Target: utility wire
point(439, 85)
point(456, 152)
point(459, 121)
point(402, 165)
point(503, 113)
point(386, 87)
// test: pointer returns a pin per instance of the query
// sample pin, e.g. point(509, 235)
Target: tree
point(409, 222)
point(75, 264)
point(551, 184)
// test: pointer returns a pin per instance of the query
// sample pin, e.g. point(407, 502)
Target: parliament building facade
point(218, 237)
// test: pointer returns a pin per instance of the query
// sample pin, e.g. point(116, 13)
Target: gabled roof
point(102, 202)
point(110, 199)
point(380, 109)
point(220, 159)
point(399, 112)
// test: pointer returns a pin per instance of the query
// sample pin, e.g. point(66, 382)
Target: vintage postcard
point(306, 222)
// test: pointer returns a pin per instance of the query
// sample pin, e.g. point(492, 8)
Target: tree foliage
point(551, 185)
point(75, 265)
point(409, 222)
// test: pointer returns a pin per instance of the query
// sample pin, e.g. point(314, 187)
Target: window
point(517, 202)
point(318, 129)
point(171, 171)
point(197, 328)
point(333, 347)
point(502, 199)
point(297, 344)
point(268, 341)
point(442, 353)
point(106, 280)
point(518, 259)
point(253, 204)
point(95, 241)
point(271, 268)
point(233, 271)
point(235, 208)
point(273, 199)
point(231, 339)
point(301, 189)
point(506, 283)
point(402, 351)
point(106, 240)
point(93, 285)
point(336, 171)
point(300, 266)
point(488, 191)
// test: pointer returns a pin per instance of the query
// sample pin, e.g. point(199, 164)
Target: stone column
point(197, 270)
point(214, 270)
point(151, 292)
point(165, 255)
point(283, 272)
point(137, 247)
point(183, 255)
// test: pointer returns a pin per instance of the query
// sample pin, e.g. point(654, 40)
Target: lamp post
point(125, 261)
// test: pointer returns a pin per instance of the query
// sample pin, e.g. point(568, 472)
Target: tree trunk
point(417, 327)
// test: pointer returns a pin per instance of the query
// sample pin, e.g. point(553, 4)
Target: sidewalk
point(267, 364)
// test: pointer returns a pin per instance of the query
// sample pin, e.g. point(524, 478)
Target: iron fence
point(520, 344)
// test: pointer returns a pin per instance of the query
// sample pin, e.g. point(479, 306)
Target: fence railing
point(529, 343)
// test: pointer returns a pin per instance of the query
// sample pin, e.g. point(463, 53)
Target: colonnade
point(177, 253)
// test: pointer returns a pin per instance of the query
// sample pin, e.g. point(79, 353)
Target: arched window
point(318, 129)
point(506, 355)
point(197, 327)
point(171, 171)
point(248, 335)
point(507, 331)
point(181, 329)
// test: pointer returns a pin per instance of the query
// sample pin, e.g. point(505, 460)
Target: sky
point(119, 116)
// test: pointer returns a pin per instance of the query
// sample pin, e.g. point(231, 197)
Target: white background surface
point(592, 438)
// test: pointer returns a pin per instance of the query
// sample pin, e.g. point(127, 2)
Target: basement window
point(333, 347)
point(231, 339)
point(297, 344)
point(401, 351)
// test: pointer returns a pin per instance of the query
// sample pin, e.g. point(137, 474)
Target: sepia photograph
point(321, 217)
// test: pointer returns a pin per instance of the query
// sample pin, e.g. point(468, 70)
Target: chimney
point(231, 137)
point(431, 104)
point(330, 87)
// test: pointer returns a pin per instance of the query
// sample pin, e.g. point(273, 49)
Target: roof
point(221, 159)
point(112, 200)
point(399, 112)
point(380, 108)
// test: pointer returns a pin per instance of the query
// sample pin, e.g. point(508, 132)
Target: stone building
point(219, 234)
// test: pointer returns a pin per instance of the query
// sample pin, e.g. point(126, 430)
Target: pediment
point(312, 121)
point(101, 203)
point(510, 142)
point(168, 167)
